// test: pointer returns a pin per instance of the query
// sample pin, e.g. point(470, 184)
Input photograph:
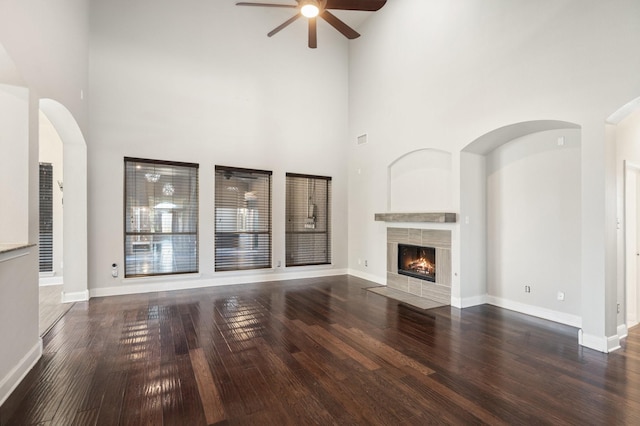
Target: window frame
point(165, 163)
point(218, 265)
point(329, 225)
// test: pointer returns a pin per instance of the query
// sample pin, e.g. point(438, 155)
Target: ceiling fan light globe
point(310, 10)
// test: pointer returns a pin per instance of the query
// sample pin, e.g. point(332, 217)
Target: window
point(46, 218)
point(308, 214)
point(160, 217)
point(242, 219)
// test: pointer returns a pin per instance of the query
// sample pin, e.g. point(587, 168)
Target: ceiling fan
point(311, 9)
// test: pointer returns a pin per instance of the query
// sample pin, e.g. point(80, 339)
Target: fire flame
point(422, 265)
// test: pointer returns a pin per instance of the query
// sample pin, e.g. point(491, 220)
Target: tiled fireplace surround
point(439, 291)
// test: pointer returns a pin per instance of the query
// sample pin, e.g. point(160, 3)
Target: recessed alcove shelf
point(433, 217)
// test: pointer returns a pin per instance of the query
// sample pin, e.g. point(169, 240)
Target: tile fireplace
point(419, 262)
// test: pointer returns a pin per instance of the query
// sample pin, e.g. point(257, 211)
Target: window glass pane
point(45, 244)
point(308, 216)
point(242, 219)
point(161, 217)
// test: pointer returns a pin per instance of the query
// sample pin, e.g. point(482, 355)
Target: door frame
point(635, 168)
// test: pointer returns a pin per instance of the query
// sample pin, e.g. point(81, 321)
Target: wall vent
point(362, 139)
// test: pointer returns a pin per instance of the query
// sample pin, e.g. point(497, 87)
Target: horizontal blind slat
point(161, 217)
point(308, 224)
point(242, 219)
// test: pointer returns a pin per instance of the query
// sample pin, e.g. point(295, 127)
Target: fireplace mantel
point(436, 217)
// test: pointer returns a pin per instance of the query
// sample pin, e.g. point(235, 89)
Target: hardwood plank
point(317, 351)
point(384, 351)
point(209, 395)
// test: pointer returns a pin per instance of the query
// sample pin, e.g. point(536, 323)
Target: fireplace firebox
point(417, 262)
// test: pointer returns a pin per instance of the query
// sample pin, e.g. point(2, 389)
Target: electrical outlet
point(527, 289)
point(366, 263)
point(618, 308)
point(561, 295)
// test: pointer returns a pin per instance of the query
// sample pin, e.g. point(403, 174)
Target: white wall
point(534, 220)
point(200, 82)
point(473, 231)
point(18, 269)
point(439, 74)
point(14, 164)
point(420, 181)
point(43, 48)
point(51, 152)
point(48, 42)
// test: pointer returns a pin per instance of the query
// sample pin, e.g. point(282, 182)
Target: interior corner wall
point(534, 221)
point(473, 229)
point(48, 42)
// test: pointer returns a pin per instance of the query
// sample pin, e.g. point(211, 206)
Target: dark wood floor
point(318, 351)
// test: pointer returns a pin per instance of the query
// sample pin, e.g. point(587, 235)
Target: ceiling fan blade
point(339, 25)
point(244, 3)
point(313, 33)
point(284, 24)
point(365, 5)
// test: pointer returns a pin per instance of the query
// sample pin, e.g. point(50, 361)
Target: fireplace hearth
point(417, 261)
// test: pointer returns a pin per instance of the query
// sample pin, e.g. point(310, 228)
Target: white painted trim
point(599, 343)
point(77, 296)
point(47, 281)
point(369, 277)
point(622, 331)
point(613, 343)
point(467, 302)
point(46, 274)
point(632, 324)
point(14, 254)
point(536, 311)
point(169, 284)
point(9, 382)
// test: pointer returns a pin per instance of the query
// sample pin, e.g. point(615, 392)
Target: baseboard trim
point(11, 381)
point(599, 343)
point(140, 286)
point(368, 277)
point(467, 302)
point(536, 311)
point(47, 281)
point(77, 296)
point(623, 331)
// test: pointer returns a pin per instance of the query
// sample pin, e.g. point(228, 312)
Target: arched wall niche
point(420, 181)
point(515, 180)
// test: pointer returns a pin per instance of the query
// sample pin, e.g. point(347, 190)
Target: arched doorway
point(624, 131)
point(75, 200)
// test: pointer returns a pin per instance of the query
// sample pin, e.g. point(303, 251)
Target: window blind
point(160, 217)
point(308, 216)
point(242, 219)
point(46, 217)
